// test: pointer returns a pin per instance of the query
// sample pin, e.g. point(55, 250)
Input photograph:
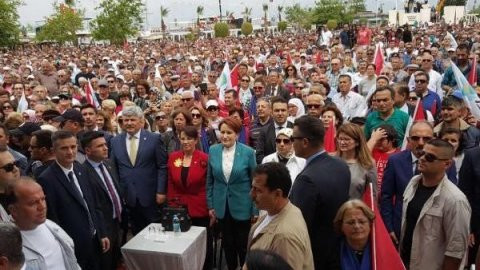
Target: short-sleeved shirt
point(398, 120)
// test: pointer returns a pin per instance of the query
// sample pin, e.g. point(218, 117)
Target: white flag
point(22, 104)
point(224, 82)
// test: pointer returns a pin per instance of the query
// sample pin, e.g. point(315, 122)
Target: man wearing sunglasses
point(436, 217)
point(401, 167)
point(9, 172)
point(430, 100)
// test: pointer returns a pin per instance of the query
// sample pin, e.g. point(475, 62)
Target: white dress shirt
point(75, 180)
point(228, 156)
point(351, 105)
point(294, 165)
point(137, 141)
point(435, 83)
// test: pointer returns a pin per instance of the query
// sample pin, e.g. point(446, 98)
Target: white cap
point(211, 103)
point(285, 131)
point(120, 77)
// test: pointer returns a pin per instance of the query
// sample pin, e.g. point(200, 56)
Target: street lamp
point(220, 7)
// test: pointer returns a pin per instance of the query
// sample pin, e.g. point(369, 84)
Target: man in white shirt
point(11, 256)
point(435, 82)
point(45, 244)
point(351, 104)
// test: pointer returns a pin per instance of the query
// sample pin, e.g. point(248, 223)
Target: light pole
point(220, 7)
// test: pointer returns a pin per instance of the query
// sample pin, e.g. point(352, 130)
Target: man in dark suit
point(71, 204)
point(317, 193)
point(469, 183)
point(140, 158)
point(104, 182)
point(274, 87)
point(400, 169)
point(268, 133)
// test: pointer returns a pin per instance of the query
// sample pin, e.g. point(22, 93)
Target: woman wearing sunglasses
point(285, 153)
point(206, 136)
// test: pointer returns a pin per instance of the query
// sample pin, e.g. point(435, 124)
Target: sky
point(34, 11)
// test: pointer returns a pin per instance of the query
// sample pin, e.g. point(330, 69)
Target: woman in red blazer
point(187, 174)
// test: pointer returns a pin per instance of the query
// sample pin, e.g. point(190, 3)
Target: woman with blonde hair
point(352, 148)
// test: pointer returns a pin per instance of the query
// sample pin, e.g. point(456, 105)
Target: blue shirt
point(431, 99)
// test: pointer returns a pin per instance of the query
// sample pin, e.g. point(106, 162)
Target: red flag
point(289, 59)
point(90, 95)
point(384, 253)
point(419, 113)
point(378, 61)
point(472, 77)
point(234, 76)
point(318, 58)
point(433, 110)
point(329, 139)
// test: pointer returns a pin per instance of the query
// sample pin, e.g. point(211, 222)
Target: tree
point(280, 10)
point(9, 26)
point(300, 17)
point(163, 13)
point(282, 26)
point(247, 28)
point(455, 2)
point(63, 25)
point(117, 20)
point(246, 14)
point(221, 29)
point(356, 6)
point(199, 13)
point(332, 24)
point(265, 16)
point(331, 10)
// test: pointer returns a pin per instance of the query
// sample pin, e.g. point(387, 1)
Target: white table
point(186, 251)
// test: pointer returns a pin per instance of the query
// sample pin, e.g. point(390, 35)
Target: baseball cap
point(103, 83)
point(50, 114)
point(70, 114)
point(211, 103)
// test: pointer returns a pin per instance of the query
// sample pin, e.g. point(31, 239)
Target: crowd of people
point(96, 140)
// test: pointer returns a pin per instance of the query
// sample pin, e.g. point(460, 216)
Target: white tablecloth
point(186, 251)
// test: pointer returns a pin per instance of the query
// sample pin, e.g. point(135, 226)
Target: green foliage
point(191, 37)
point(9, 26)
point(62, 26)
point(117, 20)
point(455, 2)
point(299, 17)
point(282, 26)
point(326, 10)
point(221, 30)
point(332, 24)
point(247, 28)
point(246, 13)
point(199, 13)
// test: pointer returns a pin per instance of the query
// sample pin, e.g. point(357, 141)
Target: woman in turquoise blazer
point(229, 180)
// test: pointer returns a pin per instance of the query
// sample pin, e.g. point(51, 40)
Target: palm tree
point(199, 13)
point(246, 13)
point(163, 13)
point(229, 16)
point(265, 17)
point(280, 10)
point(70, 3)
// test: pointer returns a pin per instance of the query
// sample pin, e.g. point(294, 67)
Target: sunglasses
point(9, 167)
point(430, 157)
point(7, 107)
point(257, 87)
point(313, 106)
point(299, 87)
point(413, 98)
point(245, 80)
point(426, 60)
point(196, 115)
point(212, 109)
point(186, 99)
point(285, 141)
point(160, 117)
point(420, 81)
point(417, 138)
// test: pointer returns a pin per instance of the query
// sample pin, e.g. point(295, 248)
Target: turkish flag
point(234, 76)
point(329, 139)
point(289, 59)
point(472, 76)
point(379, 60)
point(384, 253)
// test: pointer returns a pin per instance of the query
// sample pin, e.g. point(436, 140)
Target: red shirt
point(381, 159)
point(364, 36)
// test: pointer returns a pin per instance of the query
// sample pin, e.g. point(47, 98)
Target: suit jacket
point(194, 193)
point(101, 194)
point(397, 175)
point(68, 210)
point(235, 192)
point(469, 183)
point(319, 196)
point(147, 177)
point(266, 141)
point(286, 235)
point(282, 92)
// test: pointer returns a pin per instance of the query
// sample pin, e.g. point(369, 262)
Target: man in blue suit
point(319, 190)
point(401, 167)
point(141, 161)
point(71, 204)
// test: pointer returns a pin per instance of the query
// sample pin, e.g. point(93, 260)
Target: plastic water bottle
point(176, 225)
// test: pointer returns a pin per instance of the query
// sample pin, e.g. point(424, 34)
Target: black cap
point(26, 128)
point(394, 55)
point(70, 114)
point(64, 96)
point(50, 114)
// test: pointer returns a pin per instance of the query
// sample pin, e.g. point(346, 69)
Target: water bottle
point(176, 225)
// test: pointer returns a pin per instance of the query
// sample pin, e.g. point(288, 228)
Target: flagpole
point(374, 248)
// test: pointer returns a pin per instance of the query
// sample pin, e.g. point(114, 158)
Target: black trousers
point(204, 222)
point(140, 216)
point(110, 259)
point(235, 239)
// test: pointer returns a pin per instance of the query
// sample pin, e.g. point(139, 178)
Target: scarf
point(349, 260)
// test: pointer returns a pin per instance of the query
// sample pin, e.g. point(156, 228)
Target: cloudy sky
point(36, 10)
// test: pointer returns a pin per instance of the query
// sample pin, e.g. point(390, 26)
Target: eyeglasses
point(413, 98)
point(196, 115)
point(420, 81)
point(430, 157)
point(299, 87)
point(417, 138)
point(7, 107)
point(245, 80)
point(285, 141)
point(290, 69)
point(352, 223)
point(9, 167)
point(426, 60)
point(257, 87)
point(212, 109)
point(186, 99)
point(313, 106)
point(110, 81)
point(160, 117)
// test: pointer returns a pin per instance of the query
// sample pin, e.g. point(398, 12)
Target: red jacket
point(194, 194)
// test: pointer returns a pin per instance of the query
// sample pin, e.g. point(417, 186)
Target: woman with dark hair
point(291, 74)
point(352, 148)
point(207, 136)
point(455, 137)
point(179, 120)
point(187, 174)
point(229, 181)
point(238, 114)
point(7, 108)
point(331, 113)
point(265, 260)
point(142, 90)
